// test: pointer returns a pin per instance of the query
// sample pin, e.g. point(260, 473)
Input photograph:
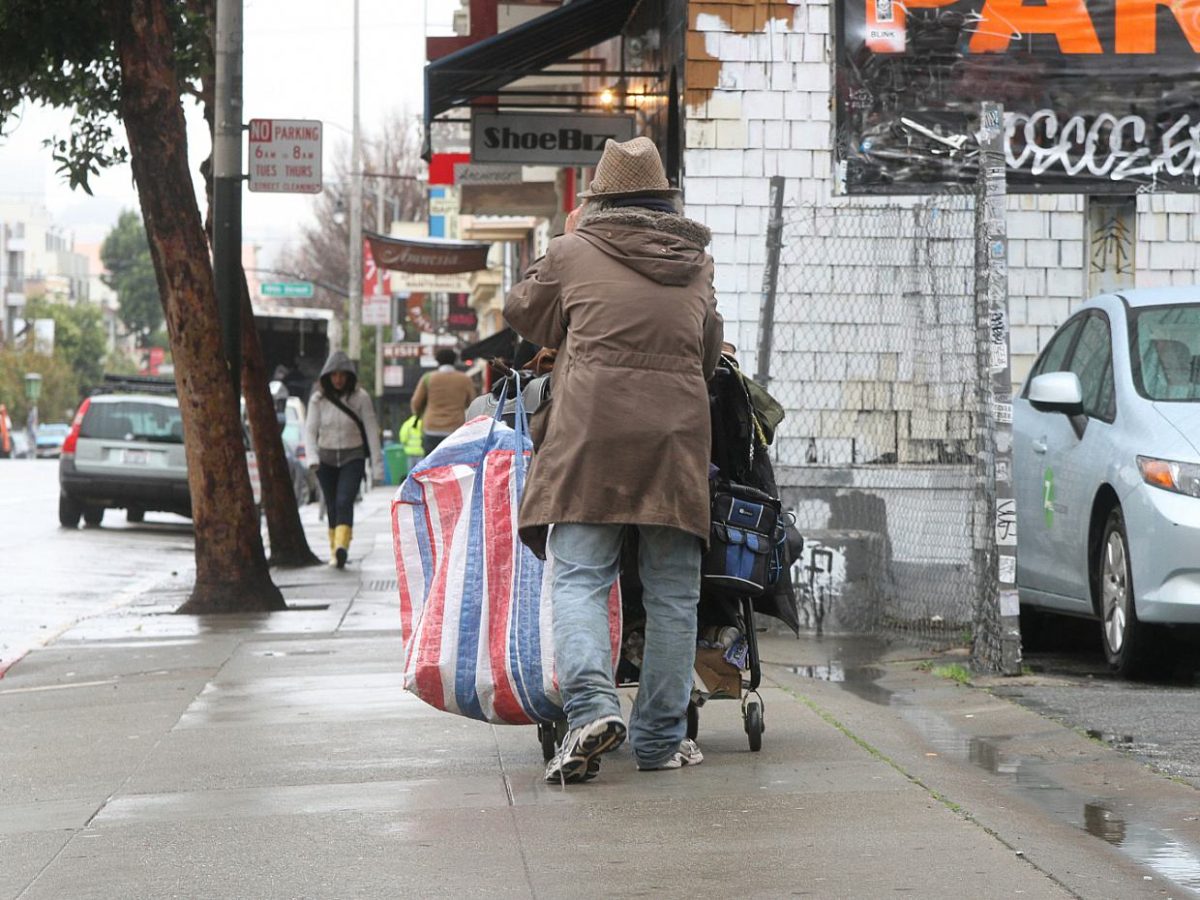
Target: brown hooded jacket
point(628, 299)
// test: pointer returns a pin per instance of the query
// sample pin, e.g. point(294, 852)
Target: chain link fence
point(874, 341)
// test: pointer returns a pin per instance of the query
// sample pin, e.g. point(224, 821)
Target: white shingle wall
point(770, 115)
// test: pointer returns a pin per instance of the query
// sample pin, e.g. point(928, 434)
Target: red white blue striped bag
point(475, 612)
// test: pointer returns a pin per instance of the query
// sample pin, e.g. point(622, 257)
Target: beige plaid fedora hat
point(628, 169)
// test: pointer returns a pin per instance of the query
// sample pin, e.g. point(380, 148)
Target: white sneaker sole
point(596, 738)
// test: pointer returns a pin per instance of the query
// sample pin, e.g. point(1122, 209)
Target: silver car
point(1107, 470)
point(124, 451)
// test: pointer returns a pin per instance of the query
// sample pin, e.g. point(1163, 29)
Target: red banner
point(441, 166)
point(376, 281)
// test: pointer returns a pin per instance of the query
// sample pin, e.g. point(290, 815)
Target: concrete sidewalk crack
point(512, 815)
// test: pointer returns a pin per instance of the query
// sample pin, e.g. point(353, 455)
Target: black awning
point(503, 343)
point(494, 62)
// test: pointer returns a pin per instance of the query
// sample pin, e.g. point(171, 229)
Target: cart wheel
point(754, 725)
point(693, 721)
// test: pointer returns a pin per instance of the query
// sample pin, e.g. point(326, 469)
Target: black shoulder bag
point(362, 430)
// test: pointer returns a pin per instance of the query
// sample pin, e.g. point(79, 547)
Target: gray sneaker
point(577, 758)
point(688, 754)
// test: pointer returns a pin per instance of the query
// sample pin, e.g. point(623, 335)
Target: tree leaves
point(60, 53)
point(126, 255)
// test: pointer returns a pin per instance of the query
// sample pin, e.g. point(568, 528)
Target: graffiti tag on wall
point(1102, 98)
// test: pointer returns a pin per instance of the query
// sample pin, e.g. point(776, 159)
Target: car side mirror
point(1058, 392)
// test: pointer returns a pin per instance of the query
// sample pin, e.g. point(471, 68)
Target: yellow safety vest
point(410, 437)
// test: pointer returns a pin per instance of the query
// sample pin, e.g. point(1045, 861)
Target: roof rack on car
point(142, 384)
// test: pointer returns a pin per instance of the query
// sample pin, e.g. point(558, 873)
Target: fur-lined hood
point(665, 247)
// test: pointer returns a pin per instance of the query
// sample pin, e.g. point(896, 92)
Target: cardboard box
point(718, 677)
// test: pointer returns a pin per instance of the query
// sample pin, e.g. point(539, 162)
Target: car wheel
point(68, 512)
point(135, 515)
point(1126, 639)
point(93, 515)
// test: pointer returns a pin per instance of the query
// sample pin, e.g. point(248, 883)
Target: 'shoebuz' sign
point(1099, 97)
point(545, 139)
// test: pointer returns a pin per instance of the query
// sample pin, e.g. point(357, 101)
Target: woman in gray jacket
point(342, 431)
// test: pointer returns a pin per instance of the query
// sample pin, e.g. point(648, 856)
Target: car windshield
point(1164, 343)
point(133, 420)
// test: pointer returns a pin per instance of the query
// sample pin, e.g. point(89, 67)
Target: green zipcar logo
point(1048, 497)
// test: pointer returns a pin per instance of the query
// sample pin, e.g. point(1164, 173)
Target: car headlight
point(1181, 478)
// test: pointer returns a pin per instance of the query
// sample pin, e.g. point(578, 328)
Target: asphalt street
point(51, 577)
point(1152, 719)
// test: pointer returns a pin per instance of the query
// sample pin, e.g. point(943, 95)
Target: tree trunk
point(231, 568)
point(289, 546)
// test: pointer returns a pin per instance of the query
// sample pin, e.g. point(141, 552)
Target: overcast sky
point(298, 65)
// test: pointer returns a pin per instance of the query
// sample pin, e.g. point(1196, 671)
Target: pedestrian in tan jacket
point(627, 298)
point(441, 399)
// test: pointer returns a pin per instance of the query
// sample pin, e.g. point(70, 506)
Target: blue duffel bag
point(743, 541)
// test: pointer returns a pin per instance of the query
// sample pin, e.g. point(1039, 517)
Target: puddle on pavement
point(1132, 834)
point(1153, 847)
point(858, 680)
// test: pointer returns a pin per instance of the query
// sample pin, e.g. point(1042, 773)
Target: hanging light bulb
point(607, 97)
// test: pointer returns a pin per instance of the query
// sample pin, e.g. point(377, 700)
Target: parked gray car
point(125, 450)
point(1107, 470)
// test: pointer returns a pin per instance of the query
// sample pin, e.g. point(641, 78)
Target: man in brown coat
point(627, 298)
point(441, 399)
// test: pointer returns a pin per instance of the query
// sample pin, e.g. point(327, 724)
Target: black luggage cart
point(753, 708)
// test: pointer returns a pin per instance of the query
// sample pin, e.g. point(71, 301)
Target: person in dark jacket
point(627, 299)
point(341, 435)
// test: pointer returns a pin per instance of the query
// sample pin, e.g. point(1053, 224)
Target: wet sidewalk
point(152, 755)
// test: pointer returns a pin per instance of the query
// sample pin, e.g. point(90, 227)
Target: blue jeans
point(586, 563)
point(340, 484)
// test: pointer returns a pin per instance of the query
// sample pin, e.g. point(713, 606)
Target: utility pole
point(354, 346)
point(380, 228)
point(227, 185)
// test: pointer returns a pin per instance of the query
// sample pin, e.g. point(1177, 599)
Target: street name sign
point(298, 289)
point(573, 139)
point(285, 156)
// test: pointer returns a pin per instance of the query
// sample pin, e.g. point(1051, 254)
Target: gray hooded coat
point(332, 436)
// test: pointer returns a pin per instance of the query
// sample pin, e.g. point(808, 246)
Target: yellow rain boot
point(332, 547)
point(342, 535)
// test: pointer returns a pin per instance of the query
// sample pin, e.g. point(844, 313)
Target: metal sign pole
point(991, 286)
point(227, 184)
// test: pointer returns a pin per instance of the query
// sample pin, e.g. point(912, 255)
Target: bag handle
point(520, 426)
